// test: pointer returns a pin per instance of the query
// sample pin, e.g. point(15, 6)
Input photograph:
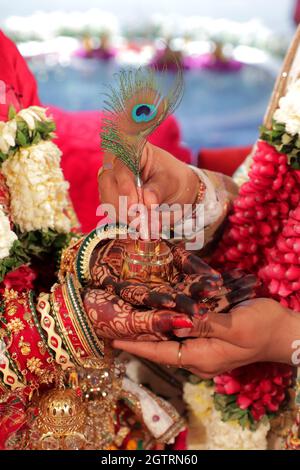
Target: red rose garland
point(259, 211)
point(260, 389)
point(263, 236)
point(282, 271)
point(19, 279)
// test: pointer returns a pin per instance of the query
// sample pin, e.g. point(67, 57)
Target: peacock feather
point(133, 108)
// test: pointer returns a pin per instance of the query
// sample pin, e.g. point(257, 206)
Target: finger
point(191, 264)
point(241, 290)
point(232, 275)
point(113, 318)
point(156, 191)
point(214, 325)
point(242, 281)
point(108, 188)
point(161, 352)
point(200, 286)
point(140, 295)
point(125, 182)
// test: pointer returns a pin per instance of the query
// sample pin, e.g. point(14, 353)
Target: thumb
point(213, 325)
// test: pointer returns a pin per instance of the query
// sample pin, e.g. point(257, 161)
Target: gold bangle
point(200, 193)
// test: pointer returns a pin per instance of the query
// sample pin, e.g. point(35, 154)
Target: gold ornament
point(83, 416)
point(60, 421)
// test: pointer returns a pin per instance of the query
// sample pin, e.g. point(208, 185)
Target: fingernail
point(179, 323)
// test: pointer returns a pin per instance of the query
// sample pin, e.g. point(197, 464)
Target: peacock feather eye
point(144, 112)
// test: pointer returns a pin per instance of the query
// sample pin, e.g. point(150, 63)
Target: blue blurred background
point(223, 105)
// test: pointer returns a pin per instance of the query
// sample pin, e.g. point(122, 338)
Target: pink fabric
point(78, 138)
point(17, 84)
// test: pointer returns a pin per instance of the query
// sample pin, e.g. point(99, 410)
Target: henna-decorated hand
point(132, 310)
point(257, 330)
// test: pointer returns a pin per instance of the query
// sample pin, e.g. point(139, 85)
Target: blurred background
point(230, 50)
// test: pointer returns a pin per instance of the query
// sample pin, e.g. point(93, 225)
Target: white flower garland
point(39, 193)
point(32, 114)
point(7, 236)
point(288, 112)
point(8, 132)
point(208, 431)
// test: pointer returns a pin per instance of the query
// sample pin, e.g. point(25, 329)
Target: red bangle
point(69, 328)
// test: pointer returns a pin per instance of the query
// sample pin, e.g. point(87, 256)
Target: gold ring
point(179, 356)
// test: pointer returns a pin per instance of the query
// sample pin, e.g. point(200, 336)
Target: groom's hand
point(166, 179)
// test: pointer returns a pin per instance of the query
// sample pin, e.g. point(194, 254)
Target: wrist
point(192, 187)
point(285, 336)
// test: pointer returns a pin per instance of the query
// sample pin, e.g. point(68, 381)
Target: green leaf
point(41, 244)
point(11, 112)
point(16, 258)
point(36, 139)
point(244, 421)
point(3, 157)
point(21, 139)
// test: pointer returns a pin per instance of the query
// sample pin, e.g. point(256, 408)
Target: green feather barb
point(134, 107)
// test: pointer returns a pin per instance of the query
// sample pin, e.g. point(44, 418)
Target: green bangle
point(87, 328)
point(82, 261)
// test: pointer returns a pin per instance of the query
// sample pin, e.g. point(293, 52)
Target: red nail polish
point(179, 323)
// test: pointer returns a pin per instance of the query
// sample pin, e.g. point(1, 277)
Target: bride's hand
point(133, 310)
point(257, 330)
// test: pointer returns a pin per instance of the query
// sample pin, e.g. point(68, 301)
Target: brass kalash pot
point(148, 261)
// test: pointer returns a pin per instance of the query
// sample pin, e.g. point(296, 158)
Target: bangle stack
point(96, 346)
point(70, 323)
point(57, 331)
